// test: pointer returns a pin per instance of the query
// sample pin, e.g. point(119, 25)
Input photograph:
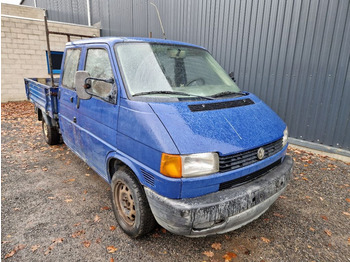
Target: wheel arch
point(40, 114)
point(116, 161)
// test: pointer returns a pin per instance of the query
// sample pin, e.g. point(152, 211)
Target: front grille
point(232, 162)
point(250, 177)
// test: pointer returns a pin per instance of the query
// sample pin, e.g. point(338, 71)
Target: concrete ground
point(55, 208)
point(343, 158)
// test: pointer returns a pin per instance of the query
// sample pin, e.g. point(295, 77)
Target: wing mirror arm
point(87, 85)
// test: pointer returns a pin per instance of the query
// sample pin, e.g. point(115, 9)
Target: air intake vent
point(221, 105)
point(149, 178)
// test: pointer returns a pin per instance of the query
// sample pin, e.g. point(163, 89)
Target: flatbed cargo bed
point(40, 92)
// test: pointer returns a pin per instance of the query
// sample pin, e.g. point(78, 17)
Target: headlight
point(189, 165)
point(285, 137)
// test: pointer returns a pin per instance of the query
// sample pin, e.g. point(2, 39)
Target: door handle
point(74, 119)
point(78, 103)
point(71, 99)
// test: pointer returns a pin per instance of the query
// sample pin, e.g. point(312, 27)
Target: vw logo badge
point(261, 153)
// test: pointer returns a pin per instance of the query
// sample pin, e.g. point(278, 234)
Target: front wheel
point(130, 204)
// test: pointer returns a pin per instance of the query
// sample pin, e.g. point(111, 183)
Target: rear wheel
point(130, 204)
point(51, 134)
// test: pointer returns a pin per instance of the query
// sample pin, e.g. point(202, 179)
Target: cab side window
point(98, 65)
point(71, 64)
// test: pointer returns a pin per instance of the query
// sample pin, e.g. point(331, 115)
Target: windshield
point(168, 71)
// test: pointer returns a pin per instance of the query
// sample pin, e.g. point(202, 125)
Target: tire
point(51, 135)
point(130, 204)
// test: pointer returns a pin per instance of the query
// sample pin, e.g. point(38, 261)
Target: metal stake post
point(49, 50)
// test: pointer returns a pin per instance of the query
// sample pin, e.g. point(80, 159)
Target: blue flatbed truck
point(177, 140)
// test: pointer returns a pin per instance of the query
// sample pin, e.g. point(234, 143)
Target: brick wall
point(23, 46)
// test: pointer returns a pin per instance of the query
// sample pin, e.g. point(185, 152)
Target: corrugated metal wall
point(294, 54)
point(72, 11)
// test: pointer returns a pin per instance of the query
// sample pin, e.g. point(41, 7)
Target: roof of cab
point(113, 40)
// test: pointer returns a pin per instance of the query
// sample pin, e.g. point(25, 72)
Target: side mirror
point(232, 76)
point(80, 77)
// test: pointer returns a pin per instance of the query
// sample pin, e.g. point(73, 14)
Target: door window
point(71, 64)
point(98, 65)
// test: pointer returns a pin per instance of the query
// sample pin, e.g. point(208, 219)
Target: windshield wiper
point(171, 93)
point(226, 93)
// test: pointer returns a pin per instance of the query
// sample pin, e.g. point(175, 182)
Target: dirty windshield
point(172, 71)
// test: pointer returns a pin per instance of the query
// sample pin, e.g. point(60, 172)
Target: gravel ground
point(55, 208)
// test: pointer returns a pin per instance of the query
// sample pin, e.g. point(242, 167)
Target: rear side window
point(56, 58)
point(71, 64)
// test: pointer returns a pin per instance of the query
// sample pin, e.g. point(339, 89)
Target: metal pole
point(160, 20)
point(88, 12)
point(49, 50)
point(61, 33)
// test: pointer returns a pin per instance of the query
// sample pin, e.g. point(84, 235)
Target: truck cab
point(177, 140)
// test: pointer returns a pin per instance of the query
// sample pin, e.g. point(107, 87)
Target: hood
point(223, 130)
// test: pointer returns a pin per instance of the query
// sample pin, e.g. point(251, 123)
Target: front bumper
point(222, 211)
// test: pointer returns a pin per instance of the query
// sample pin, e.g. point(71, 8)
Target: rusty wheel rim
point(125, 203)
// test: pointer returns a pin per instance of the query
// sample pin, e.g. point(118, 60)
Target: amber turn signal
point(171, 165)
